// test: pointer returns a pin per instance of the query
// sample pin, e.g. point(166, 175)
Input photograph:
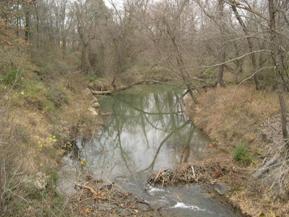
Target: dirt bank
point(236, 119)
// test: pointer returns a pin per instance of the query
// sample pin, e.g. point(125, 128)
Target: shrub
point(242, 155)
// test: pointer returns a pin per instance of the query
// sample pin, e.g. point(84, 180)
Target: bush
point(241, 154)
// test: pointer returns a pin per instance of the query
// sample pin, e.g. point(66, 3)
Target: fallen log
point(101, 92)
point(109, 92)
point(115, 90)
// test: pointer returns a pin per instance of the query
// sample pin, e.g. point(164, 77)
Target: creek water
point(147, 130)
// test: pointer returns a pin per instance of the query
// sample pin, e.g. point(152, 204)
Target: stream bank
point(239, 116)
point(40, 119)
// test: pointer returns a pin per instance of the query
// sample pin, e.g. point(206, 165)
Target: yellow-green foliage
point(36, 95)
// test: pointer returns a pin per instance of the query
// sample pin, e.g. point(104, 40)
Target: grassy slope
point(40, 117)
point(233, 116)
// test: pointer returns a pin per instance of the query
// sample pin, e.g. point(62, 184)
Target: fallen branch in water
point(197, 173)
point(109, 92)
point(101, 92)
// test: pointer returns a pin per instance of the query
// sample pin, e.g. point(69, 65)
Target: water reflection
point(147, 130)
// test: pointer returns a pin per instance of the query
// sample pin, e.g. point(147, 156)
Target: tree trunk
point(37, 25)
point(18, 19)
point(85, 65)
point(184, 74)
point(63, 47)
point(27, 24)
point(222, 55)
point(279, 69)
point(283, 111)
point(220, 80)
point(250, 44)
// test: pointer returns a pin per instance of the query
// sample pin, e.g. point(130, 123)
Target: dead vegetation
point(204, 172)
point(96, 198)
point(274, 170)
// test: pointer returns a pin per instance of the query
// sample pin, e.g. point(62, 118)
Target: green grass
point(38, 95)
point(242, 155)
point(11, 77)
point(35, 95)
point(33, 88)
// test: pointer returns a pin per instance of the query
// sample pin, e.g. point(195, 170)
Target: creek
point(148, 131)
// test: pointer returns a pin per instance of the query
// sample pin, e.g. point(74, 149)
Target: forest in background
point(205, 41)
point(191, 39)
point(199, 43)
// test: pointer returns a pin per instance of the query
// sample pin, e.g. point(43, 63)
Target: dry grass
point(233, 114)
point(240, 114)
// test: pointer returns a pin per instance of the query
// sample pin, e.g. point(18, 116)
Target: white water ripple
point(152, 190)
point(185, 206)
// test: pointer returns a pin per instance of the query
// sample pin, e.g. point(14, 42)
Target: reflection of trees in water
point(155, 114)
point(176, 130)
point(123, 153)
point(158, 110)
point(187, 146)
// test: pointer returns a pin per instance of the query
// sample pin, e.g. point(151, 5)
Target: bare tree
point(222, 54)
point(249, 41)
